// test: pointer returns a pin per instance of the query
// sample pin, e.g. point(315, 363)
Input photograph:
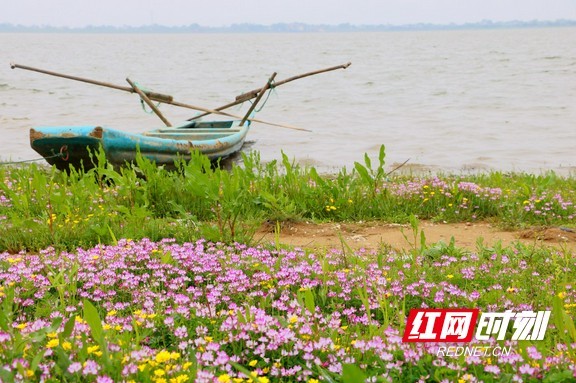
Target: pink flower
point(74, 367)
point(526, 369)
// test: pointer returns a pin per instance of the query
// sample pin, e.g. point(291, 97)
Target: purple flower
point(90, 368)
point(526, 369)
point(74, 367)
point(181, 332)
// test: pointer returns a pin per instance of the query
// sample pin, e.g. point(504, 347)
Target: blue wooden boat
point(65, 146)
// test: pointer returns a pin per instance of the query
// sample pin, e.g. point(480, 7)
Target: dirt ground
point(370, 235)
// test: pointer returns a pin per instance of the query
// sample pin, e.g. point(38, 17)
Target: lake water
point(453, 101)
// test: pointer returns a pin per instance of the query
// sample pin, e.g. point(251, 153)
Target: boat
point(65, 146)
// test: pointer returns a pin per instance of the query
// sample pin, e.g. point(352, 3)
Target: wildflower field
point(144, 275)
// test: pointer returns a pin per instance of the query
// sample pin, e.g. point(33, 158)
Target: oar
point(212, 111)
point(253, 93)
point(151, 95)
point(167, 99)
point(262, 91)
point(149, 102)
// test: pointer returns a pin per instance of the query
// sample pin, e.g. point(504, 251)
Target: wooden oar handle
point(165, 98)
point(253, 93)
point(151, 95)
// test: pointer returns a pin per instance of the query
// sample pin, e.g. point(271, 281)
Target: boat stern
point(65, 146)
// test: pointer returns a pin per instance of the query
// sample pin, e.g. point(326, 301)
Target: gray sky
point(75, 13)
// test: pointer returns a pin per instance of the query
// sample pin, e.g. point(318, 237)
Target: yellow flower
point(111, 313)
point(562, 295)
point(253, 363)
point(29, 373)
point(312, 380)
point(52, 343)
point(293, 319)
point(52, 335)
point(22, 326)
point(263, 379)
point(449, 276)
point(159, 372)
point(224, 378)
point(174, 355)
point(92, 349)
point(67, 346)
point(186, 365)
point(162, 356)
point(208, 338)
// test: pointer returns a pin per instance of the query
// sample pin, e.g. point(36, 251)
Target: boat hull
point(71, 146)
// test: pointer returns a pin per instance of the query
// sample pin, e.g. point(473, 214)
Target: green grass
point(42, 207)
point(80, 301)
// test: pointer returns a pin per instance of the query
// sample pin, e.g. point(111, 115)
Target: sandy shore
point(375, 235)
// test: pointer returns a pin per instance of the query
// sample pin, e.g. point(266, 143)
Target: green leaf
point(352, 374)
point(3, 320)
point(309, 301)
point(68, 328)
point(6, 375)
point(564, 376)
point(367, 161)
point(93, 319)
point(36, 361)
point(363, 173)
point(382, 155)
point(242, 369)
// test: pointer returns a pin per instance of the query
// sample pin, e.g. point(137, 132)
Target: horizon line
point(482, 23)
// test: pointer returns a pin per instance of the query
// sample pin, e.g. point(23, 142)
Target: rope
point(144, 89)
point(63, 153)
point(270, 90)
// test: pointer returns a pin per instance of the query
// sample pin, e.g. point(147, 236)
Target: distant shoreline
point(286, 27)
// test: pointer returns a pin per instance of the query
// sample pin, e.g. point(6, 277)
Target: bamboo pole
point(149, 102)
point(166, 99)
point(258, 98)
point(151, 95)
point(253, 93)
point(212, 111)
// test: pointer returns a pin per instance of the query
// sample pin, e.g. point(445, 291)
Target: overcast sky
point(75, 13)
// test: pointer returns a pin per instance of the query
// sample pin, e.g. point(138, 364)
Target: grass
point(41, 208)
point(190, 298)
point(164, 312)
